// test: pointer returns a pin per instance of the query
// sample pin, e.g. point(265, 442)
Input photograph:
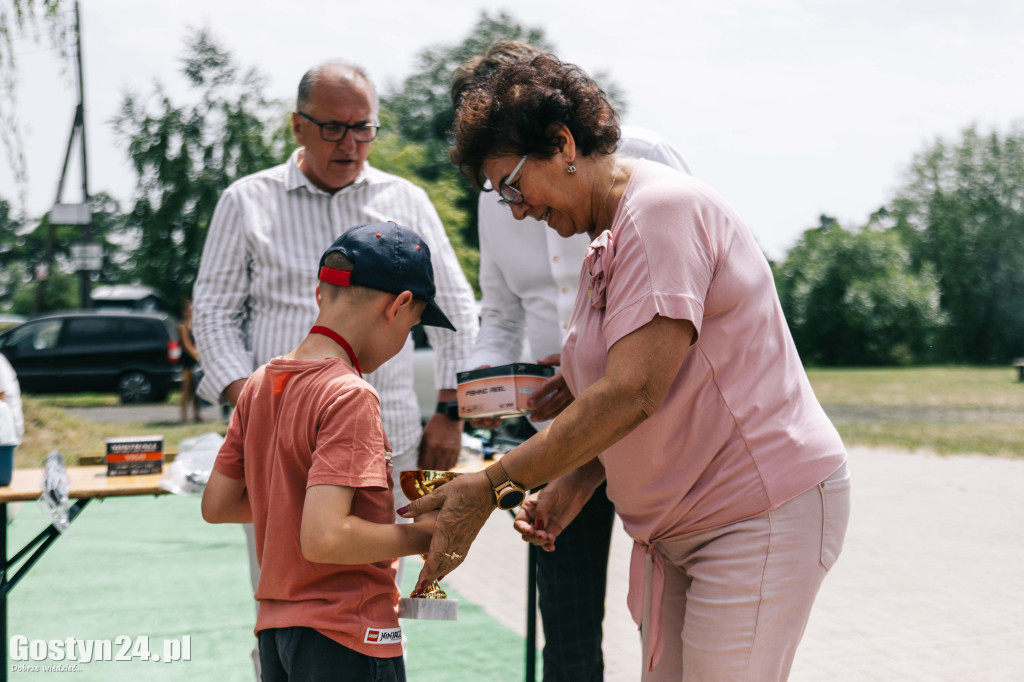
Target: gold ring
point(454, 556)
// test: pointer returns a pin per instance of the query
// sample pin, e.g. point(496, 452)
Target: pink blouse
point(740, 431)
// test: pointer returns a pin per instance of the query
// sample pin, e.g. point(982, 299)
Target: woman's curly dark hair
point(517, 110)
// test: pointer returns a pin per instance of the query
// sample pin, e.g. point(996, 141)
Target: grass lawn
point(48, 427)
point(943, 409)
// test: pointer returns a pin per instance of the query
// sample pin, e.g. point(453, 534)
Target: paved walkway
point(930, 585)
point(156, 413)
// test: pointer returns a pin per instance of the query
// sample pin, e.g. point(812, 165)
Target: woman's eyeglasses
point(511, 196)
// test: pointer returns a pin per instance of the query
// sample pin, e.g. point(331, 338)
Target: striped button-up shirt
point(254, 295)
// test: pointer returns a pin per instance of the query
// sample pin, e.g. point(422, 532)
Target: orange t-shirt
point(300, 423)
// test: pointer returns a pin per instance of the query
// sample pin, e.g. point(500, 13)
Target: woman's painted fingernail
point(403, 511)
point(539, 524)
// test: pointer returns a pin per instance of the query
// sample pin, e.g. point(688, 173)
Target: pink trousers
point(737, 598)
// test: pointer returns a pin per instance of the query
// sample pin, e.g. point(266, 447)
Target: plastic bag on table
point(472, 451)
point(190, 470)
point(56, 485)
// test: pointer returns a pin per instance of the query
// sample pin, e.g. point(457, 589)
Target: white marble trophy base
point(428, 609)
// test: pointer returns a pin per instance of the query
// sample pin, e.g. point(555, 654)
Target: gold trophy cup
point(430, 603)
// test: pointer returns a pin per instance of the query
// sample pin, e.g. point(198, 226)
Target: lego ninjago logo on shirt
point(383, 636)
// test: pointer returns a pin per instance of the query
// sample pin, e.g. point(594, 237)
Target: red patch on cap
point(335, 276)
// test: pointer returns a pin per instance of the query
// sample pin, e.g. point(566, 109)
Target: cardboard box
point(499, 391)
point(134, 455)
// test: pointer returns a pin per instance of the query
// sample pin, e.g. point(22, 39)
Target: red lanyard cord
point(337, 338)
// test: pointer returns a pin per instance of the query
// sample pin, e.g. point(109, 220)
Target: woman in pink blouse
point(690, 398)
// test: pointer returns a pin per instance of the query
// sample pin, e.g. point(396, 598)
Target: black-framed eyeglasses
point(511, 196)
point(333, 131)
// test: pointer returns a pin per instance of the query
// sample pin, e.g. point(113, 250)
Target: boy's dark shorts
point(299, 654)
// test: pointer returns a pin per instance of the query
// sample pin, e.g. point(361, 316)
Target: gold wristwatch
point(507, 494)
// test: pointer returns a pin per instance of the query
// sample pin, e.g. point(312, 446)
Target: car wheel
point(135, 387)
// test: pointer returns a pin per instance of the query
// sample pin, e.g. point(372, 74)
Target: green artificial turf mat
point(149, 566)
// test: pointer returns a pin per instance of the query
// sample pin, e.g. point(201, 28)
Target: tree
point(21, 15)
point(10, 271)
point(17, 18)
point(856, 298)
point(419, 112)
point(186, 155)
point(962, 209)
point(392, 154)
point(23, 247)
point(421, 108)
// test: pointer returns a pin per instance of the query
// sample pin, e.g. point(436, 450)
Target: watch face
point(510, 499)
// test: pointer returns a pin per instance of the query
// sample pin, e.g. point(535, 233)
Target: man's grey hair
point(339, 68)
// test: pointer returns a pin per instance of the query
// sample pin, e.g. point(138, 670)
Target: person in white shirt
point(10, 393)
point(529, 277)
point(254, 294)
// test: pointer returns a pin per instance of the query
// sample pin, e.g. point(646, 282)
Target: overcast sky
point(790, 108)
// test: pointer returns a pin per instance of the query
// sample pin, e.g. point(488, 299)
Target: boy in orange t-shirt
point(306, 462)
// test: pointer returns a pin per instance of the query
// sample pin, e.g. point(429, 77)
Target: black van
point(134, 354)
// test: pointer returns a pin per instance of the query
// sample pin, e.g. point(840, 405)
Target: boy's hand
point(423, 527)
point(426, 517)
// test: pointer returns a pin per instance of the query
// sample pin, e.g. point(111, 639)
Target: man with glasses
point(529, 276)
point(254, 294)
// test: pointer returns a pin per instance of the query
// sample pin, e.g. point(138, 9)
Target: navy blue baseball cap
point(387, 257)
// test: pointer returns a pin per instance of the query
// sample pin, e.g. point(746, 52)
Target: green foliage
point(940, 279)
point(23, 247)
point(59, 291)
point(421, 109)
point(18, 15)
point(11, 255)
point(856, 298)
point(419, 113)
point(185, 155)
point(16, 18)
point(392, 154)
point(962, 208)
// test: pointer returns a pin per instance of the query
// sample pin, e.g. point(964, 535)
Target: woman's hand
point(546, 513)
point(552, 396)
point(464, 505)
